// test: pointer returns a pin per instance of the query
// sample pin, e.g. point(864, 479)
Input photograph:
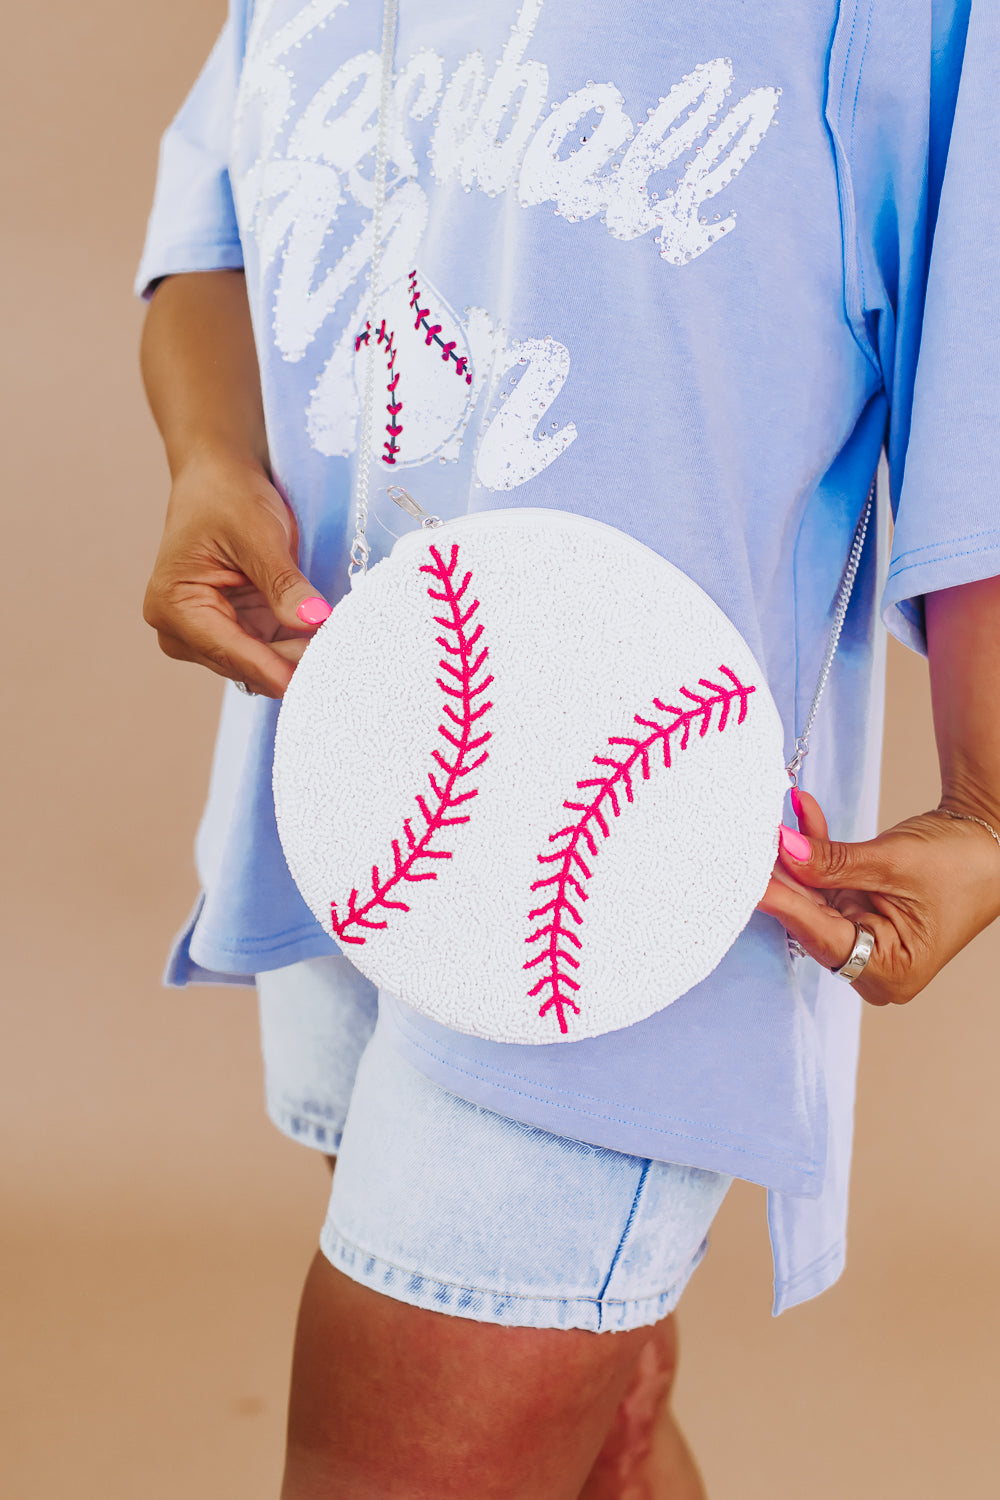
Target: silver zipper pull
point(413, 508)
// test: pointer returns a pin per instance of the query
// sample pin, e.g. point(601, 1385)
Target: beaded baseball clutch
point(530, 777)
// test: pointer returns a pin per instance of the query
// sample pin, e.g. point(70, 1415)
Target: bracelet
point(968, 818)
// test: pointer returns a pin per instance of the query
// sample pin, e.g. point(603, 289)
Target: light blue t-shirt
point(699, 270)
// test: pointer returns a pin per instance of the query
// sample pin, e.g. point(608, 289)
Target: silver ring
point(864, 947)
point(242, 687)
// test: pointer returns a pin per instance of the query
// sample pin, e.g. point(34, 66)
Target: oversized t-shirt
point(700, 262)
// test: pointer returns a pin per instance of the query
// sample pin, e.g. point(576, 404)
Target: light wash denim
point(448, 1206)
point(316, 1018)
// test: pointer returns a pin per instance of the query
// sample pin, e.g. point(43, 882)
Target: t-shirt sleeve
point(948, 518)
point(193, 223)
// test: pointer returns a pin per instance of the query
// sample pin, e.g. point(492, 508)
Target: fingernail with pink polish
point(314, 611)
point(794, 844)
point(796, 801)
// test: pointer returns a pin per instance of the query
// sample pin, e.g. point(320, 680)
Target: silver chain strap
point(833, 639)
point(362, 480)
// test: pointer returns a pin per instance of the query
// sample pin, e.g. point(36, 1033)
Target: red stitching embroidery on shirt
point(394, 426)
point(394, 407)
point(572, 869)
point(433, 333)
point(461, 682)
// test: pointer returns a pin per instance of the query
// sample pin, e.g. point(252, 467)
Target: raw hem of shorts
point(307, 1130)
point(513, 1309)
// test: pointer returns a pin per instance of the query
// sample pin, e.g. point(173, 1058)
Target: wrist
point(982, 823)
point(218, 486)
point(213, 459)
point(971, 797)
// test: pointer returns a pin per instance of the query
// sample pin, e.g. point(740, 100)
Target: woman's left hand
point(924, 889)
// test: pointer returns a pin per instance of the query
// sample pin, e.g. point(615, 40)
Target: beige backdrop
point(155, 1227)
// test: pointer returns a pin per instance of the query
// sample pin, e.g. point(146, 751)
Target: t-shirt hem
point(198, 957)
point(684, 1143)
point(811, 1280)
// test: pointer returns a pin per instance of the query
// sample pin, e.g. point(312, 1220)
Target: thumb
point(294, 601)
point(830, 865)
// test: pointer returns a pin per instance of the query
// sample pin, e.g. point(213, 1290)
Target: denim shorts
point(448, 1206)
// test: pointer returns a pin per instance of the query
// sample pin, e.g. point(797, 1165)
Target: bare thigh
point(393, 1402)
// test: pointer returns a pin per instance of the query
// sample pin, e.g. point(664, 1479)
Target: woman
point(715, 286)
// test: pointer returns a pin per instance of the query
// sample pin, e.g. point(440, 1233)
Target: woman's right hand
point(225, 590)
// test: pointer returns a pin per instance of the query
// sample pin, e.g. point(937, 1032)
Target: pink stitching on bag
point(571, 867)
point(463, 683)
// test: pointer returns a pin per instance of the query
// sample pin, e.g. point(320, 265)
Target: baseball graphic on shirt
point(424, 378)
point(529, 777)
